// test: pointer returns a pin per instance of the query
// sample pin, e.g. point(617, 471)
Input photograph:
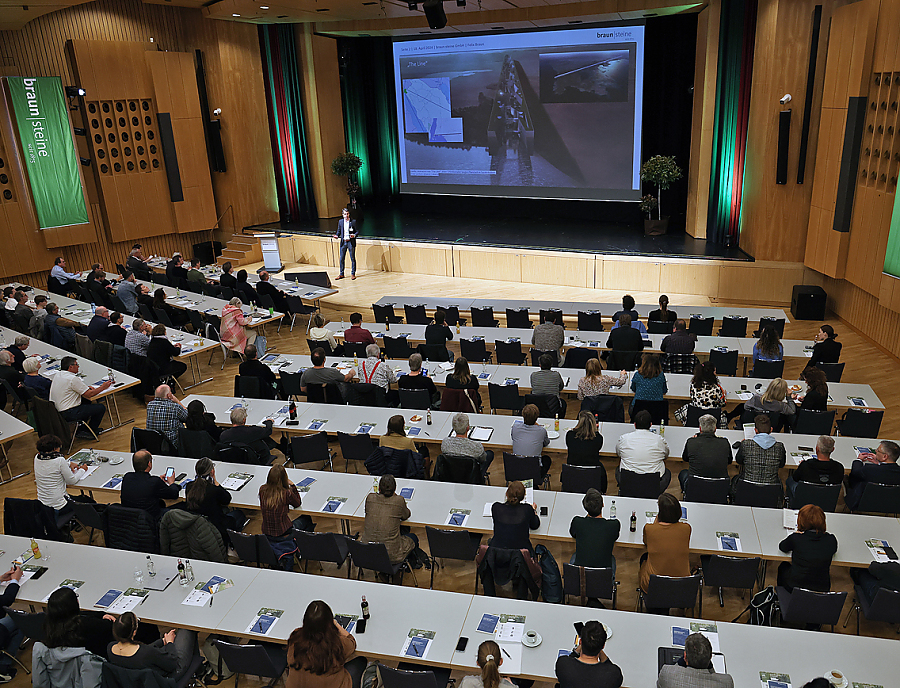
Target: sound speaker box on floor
point(316, 279)
point(434, 13)
point(808, 302)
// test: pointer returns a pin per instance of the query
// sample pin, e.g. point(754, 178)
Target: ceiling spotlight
point(263, 7)
point(85, 161)
point(413, 6)
point(79, 131)
point(74, 91)
point(235, 15)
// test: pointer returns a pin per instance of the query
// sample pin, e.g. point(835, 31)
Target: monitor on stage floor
point(537, 114)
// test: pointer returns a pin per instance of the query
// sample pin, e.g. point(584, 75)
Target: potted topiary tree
point(659, 171)
point(347, 165)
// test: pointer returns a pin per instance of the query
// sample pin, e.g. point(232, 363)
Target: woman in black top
point(513, 519)
point(176, 315)
point(584, 442)
point(438, 334)
point(162, 352)
point(811, 552)
point(244, 290)
point(816, 398)
point(826, 349)
point(171, 655)
point(462, 378)
point(207, 497)
point(199, 419)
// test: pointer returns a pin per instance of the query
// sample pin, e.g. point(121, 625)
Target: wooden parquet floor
point(866, 363)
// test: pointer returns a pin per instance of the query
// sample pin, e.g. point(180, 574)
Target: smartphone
point(544, 511)
point(461, 645)
point(170, 471)
point(179, 477)
point(334, 365)
point(361, 625)
point(809, 449)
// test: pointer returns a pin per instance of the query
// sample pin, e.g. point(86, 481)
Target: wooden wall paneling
point(371, 254)
point(313, 250)
point(422, 259)
point(286, 249)
point(699, 277)
point(564, 269)
point(629, 274)
point(499, 264)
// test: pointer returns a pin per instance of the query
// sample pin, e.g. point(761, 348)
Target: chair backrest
point(669, 592)
point(383, 314)
point(586, 582)
point(833, 371)
point(253, 547)
point(247, 386)
point(266, 301)
point(880, 499)
point(824, 496)
point(483, 316)
point(885, 606)
point(589, 321)
point(49, 421)
point(644, 485)
point(776, 323)
point(237, 453)
point(706, 490)
point(249, 659)
point(415, 315)
point(861, 423)
point(103, 352)
point(452, 544)
point(679, 363)
point(87, 515)
point(473, 350)
point(731, 572)
point(623, 360)
point(151, 440)
point(537, 353)
point(196, 443)
point(577, 358)
point(509, 352)
point(227, 293)
point(808, 606)
point(314, 344)
point(451, 316)
point(196, 321)
point(579, 479)
point(146, 313)
point(694, 413)
point(660, 326)
point(518, 318)
point(321, 546)
point(733, 327)
point(398, 678)
point(458, 400)
point(366, 394)
point(84, 347)
point(463, 470)
point(29, 518)
point(659, 410)
point(749, 493)
point(355, 447)
point(522, 468)
point(702, 327)
point(370, 555)
point(437, 353)
point(556, 312)
point(290, 383)
point(324, 394)
point(768, 370)
point(309, 448)
point(504, 397)
point(163, 317)
point(749, 415)
point(725, 362)
point(397, 347)
point(814, 422)
point(608, 407)
point(415, 399)
point(130, 529)
point(548, 404)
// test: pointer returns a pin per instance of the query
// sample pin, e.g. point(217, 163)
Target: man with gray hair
point(707, 455)
point(137, 339)
point(376, 371)
point(459, 444)
point(166, 414)
point(822, 470)
point(417, 379)
point(12, 376)
point(17, 349)
point(254, 436)
point(98, 323)
point(695, 669)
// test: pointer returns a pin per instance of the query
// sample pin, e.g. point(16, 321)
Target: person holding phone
point(141, 490)
point(588, 666)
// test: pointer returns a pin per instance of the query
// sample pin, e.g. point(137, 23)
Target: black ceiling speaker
point(434, 13)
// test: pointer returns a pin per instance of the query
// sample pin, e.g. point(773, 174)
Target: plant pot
point(656, 227)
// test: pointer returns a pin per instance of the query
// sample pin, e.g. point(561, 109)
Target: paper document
point(790, 519)
point(417, 643)
point(510, 629)
point(709, 630)
point(264, 620)
point(199, 596)
point(107, 599)
point(70, 583)
point(130, 599)
point(488, 623)
point(876, 547)
point(333, 504)
point(305, 484)
point(407, 492)
point(115, 482)
point(772, 679)
point(365, 428)
point(487, 510)
point(458, 517)
point(749, 431)
point(235, 481)
point(317, 424)
point(718, 662)
point(512, 658)
point(729, 542)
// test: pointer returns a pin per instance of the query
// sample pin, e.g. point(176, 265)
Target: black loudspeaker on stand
point(808, 302)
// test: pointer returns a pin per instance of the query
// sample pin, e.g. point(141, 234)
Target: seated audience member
point(695, 669)
point(584, 443)
point(375, 371)
point(320, 375)
point(254, 436)
point(459, 444)
point(138, 265)
point(529, 438)
point(707, 455)
point(176, 315)
point(513, 519)
point(595, 383)
point(33, 378)
point(437, 334)
point(140, 490)
point(98, 323)
point(489, 660)
point(884, 469)
point(462, 378)
point(36, 324)
point(115, 331)
point(128, 292)
point(812, 549)
point(276, 498)
point(166, 414)
point(22, 314)
point(826, 348)
point(319, 652)
point(227, 278)
point(662, 314)
point(357, 334)
point(668, 543)
point(237, 330)
point(680, 341)
point(96, 279)
point(65, 328)
point(822, 470)
point(170, 656)
point(162, 352)
point(385, 510)
point(175, 271)
point(199, 420)
point(9, 299)
point(594, 535)
point(194, 274)
point(395, 437)
point(269, 386)
point(649, 382)
point(706, 393)
point(13, 636)
point(550, 335)
point(204, 495)
point(635, 325)
point(588, 666)
point(245, 291)
point(52, 472)
point(547, 381)
point(417, 379)
point(265, 288)
point(816, 397)
point(643, 451)
point(137, 339)
point(624, 337)
point(879, 575)
point(774, 400)
point(319, 333)
point(628, 309)
point(762, 456)
point(67, 627)
point(12, 376)
point(59, 272)
point(71, 396)
point(768, 347)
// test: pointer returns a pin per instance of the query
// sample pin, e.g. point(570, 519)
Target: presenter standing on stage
point(347, 233)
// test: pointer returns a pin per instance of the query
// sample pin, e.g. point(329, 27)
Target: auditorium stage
point(542, 233)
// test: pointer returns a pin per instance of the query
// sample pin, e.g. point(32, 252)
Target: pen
point(144, 599)
point(503, 650)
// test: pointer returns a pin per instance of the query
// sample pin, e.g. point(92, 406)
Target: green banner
point(892, 255)
point(49, 152)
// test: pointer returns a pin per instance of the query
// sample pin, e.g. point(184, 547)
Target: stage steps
point(241, 249)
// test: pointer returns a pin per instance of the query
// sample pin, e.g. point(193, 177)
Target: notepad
point(417, 643)
point(458, 517)
point(488, 623)
point(512, 657)
point(480, 433)
point(264, 620)
point(729, 542)
point(333, 504)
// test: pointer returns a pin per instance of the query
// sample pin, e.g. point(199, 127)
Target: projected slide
point(544, 114)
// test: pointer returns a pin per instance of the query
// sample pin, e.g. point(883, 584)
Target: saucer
point(842, 684)
point(116, 460)
point(552, 434)
point(532, 643)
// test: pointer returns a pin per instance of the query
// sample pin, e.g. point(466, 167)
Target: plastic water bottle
point(244, 402)
point(138, 575)
point(151, 567)
point(189, 571)
point(428, 416)
point(375, 486)
point(662, 428)
point(109, 375)
point(182, 576)
point(93, 307)
point(612, 511)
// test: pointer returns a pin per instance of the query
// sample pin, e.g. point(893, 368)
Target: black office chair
point(659, 410)
point(624, 360)
point(518, 318)
point(237, 453)
point(589, 321)
point(462, 470)
point(151, 440)
point(706, 490)
point(330, 547)
point(324, 394)
point(725, 362)
point(642, 485)
point(307, 449)
point(248, 386)
point(524, 468)
point(813, 422)
point(824, 496)
point(509, 353)
point(373, 556)
point(267, 661)
point(860, 423)
point(254, 548)
point(484, 317)
point(885, 607)
point(555, 312)
point(702, 327)
point(548, 405)
point(577, 358)
point(579, 479)
point(295, 307)
point(605, 407)
point(415, 399)
point(719, 571)
point(536, 357)
point(733, 327)
point(398, 678)
point(451, 316)
point(474, 350)
point(195, 444)
point(437, 353)
point(589, 583)
point(88, 517)
point(775, 323)
point(397, 347)
point(357, 349)
point(385, 314)
point(750, 493)
point(879, 499)
point(355, 448)
point(660, 326)
point(768, 370)
point(290, 385)
point(314, 344)
point(668, 592)
point(415, 315)
point(694, 413)
point(505, 397)
point(833, 371)
point(460, 545)
point(749, 417)
point(802, 606)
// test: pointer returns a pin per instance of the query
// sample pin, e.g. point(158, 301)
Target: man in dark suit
point(265, 288)
point(885, 471)
point(346, 232)
point(226, 279)
point(253, 367)
point(255, 437)
point(625, 337)
point(140, 490)
point(98, 323)
point(175, 271)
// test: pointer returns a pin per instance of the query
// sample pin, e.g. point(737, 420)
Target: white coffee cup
point(531, 635)
point(835, 677)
